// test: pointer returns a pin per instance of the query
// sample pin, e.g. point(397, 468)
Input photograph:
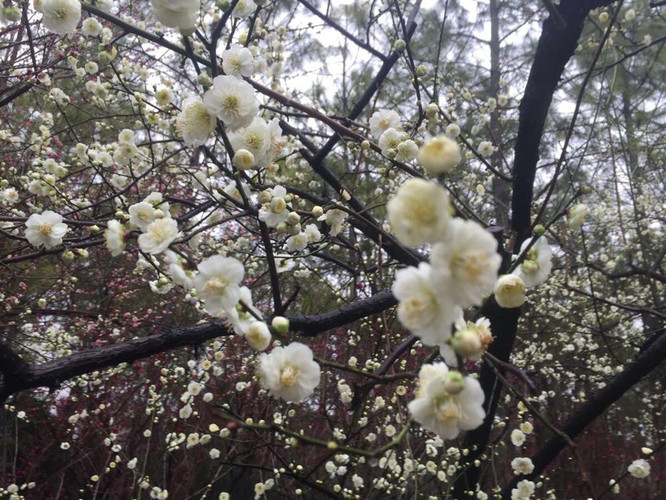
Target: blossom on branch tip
point(427, 315)
point(447, 402)
point(439, 155)
point(159, 235)
point(218, 283)
point(45, 229)
point(419, 213)
point(232, 100)
point(465, 266)
point(61, 16)
point(289, 372)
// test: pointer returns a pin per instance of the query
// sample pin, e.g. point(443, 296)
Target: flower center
point(216, 286)
point(252, 141)
point(471, 264)
point(289, 375)
point(424, 212)
point(45, 229)
point(448, 412)
point(231, 103)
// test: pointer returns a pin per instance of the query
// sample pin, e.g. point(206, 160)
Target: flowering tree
point(274, 249)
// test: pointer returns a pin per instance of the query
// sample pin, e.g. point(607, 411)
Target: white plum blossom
point(509, 291)
point(447, 402)
point(46, 229)
point(159, 235)
point(486, 148)
point(289, 372)
point(91, 27)
point(258, 336)
point(420, 309)
point(142, 215)
point(382, 120)
point(180, 14)
point(419, 213)
point(406, 151)
point(452, 130)
point(522, 465)
point(114, 237)
point(244, 8)
point(256, 138)
point(335, 219)
point(298, 242)
point(576, 216)
point(312, 233)
point(536, 266)
point(238, 61)
point(218, 283)
point(9, 196)
point(276, 210)
point(465, 266)
point(194, 122)
point(517, 437)
point(439, 155)
point(390, 139)
point(61, 16)
point(640, 469)
point(523, 490)
point(232, 100)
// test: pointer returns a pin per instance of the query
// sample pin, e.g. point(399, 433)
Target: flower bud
point(454, 383)
point(431, 110)
point(539, 229)
point(293, 218)
point(243, 159)
point(265, 196)
point(399, 45)
point(466, 343)
point(278, 205)
point(67, 256)
point(317, 211)
point(280, 324)
point(258, 336)
point(510, 291)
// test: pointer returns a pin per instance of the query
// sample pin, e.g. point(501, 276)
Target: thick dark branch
point(312, 324)
point(52, 373)
point(597, 404)
point(18, 375)
point(555, 48)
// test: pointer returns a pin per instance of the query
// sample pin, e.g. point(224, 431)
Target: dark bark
point(19, 376)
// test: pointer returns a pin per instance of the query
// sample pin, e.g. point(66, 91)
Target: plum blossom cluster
point(431, 297)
